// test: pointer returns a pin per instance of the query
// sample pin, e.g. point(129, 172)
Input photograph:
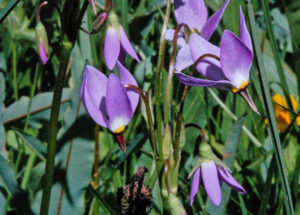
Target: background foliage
point(230, 125)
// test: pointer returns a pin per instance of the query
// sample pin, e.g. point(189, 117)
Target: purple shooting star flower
point(213, 173)
point(229, 69)
point(116, 40)
point(194, 14)
point(107, 101)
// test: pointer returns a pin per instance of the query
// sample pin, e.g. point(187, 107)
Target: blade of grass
point(276, 54)
point(270, 113)
point(9, 7)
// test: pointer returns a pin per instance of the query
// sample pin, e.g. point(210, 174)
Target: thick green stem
point(53, 128)
point(157, 87)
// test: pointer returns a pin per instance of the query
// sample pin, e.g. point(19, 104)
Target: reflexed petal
point(117, 104)
point(191, 12)
point(236, 59)
point(93, 92)
point(198, 82)
point(209, 67)
point(211, 181)
point(195, 185)
point(244, 33)
point(42, 52)
point(213, 21)
point(183, 58)
point(127, 78)
point(111, 48)
point(170, 35)
point(229, 180)
point(127, 45)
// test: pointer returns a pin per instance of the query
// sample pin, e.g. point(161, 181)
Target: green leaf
point(8, 8)
point(2, 96)
point(40, 102)
point(230, 148)
point(8, 177)
point(35, 144)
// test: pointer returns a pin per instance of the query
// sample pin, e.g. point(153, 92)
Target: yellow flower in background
point(282, 115)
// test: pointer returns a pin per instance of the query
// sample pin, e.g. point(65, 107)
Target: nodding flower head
point(116, 42)
point(213, 173)
point(42, 42)
point(194, 14)
point(229, 68)
point(107, 101)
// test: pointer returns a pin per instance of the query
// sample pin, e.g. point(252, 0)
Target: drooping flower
point(107, 101)
point(213, 174)
point(194, 14)
point(42, 42)
point(116, 41)
point(282, 115)
point(231, 70)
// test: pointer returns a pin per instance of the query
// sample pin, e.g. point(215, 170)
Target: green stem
point(270, 114)
point(14, 65)
point(157, 87)
point(32, 157)
point(53, 128)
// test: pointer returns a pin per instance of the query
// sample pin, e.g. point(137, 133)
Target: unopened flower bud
point(42, 42)
point(100, 22)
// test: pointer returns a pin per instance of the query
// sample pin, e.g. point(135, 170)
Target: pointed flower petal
point(93, 5)
point(209, 67)
point(117, 104)
point(111, 48)
point(170, 35)
point(183, 58)
point(244, 33)
point(236, 59)
point(127, 45)
point(43, 53)
point(229, 180)
point(195, 185)
point(93, 93)
point(211, 182)
point(212, 23)
point(198, 82)
point(127, 78)
point(191, 12)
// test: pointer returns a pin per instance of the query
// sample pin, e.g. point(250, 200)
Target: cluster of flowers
point(111, 104)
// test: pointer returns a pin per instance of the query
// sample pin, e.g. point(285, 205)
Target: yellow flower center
point(119, 129)
point(242, 86)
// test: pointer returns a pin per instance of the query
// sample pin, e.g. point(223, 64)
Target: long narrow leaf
point(270, 113)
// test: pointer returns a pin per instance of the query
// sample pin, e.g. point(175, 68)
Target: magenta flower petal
point(236, 59)
point(180, 39)
point(195, 185)
point(117, 105)
point(111, 48)
point(244, 34)
point(209, 67)
point(127, 45)
point(213, 21)
point(183, 58)
point(93, 5)
point(229, 180)
point(211, 182)
point(191, 12)
point(93, 91)
point(43, 53)
point(127, 78)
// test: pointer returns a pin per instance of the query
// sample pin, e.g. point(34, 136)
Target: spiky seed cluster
point(135, 198)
